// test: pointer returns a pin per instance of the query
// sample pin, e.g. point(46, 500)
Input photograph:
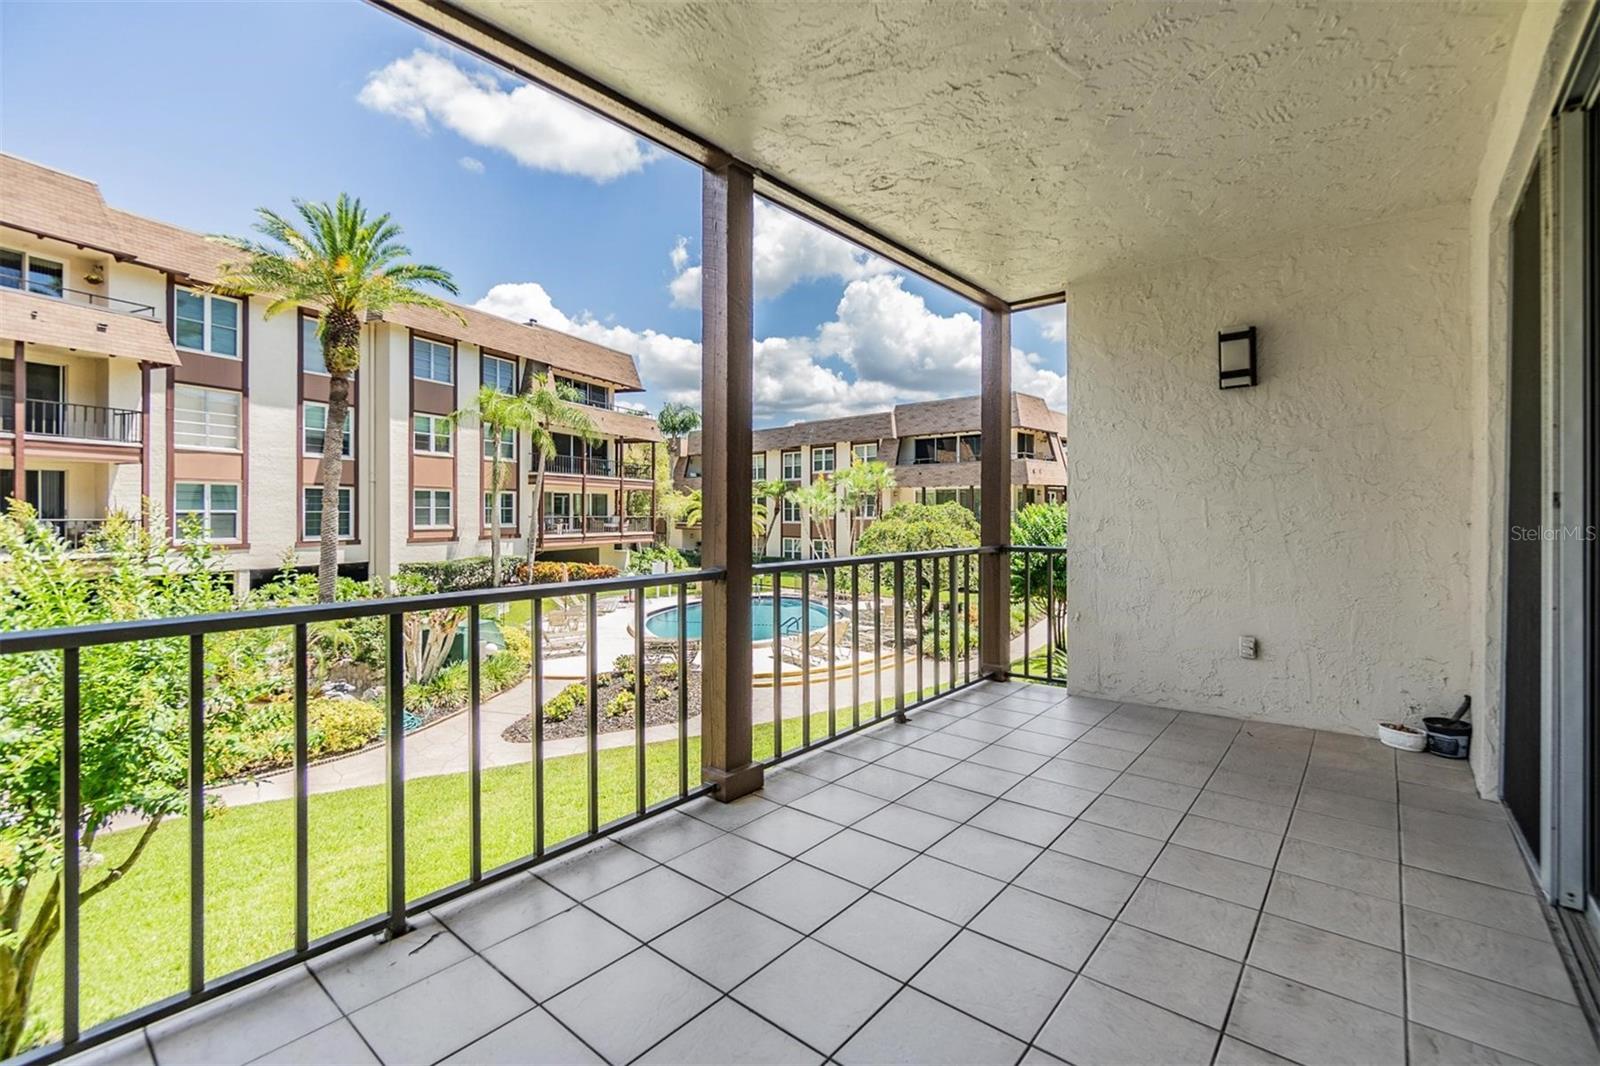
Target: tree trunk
point(329, 470)
point(535, 513)
point(495, 475)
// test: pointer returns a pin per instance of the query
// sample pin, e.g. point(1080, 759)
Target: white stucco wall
point(1325, 512)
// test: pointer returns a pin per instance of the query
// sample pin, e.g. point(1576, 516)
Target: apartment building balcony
point(79, 297)
point(73, 422)
point(597, 527)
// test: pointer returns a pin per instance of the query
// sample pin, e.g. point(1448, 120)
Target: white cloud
point(787, 250)
point(1052, 322)
point(471, 165)
point(535, 127)
point(883, 346)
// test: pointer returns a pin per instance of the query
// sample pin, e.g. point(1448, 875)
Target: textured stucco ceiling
point(1026, 145)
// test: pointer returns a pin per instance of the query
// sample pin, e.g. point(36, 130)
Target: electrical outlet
point(1247, 647)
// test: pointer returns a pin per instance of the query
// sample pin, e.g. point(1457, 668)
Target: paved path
point(441, 748)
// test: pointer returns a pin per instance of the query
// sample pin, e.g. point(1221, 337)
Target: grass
point(1039, 666)
point(134, 935)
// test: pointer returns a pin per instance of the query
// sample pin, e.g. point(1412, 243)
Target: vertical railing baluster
point(536, 630)
point(877, 641)
point(1049, 616)
point(934, 600)
point(899, 640)
point(638, 700)
point(71, 861)
point(683, 689)
point(197, 812)
point(302, 812)
point(1027, 614)
point(952, 621)
point(396, 746)
point(777, 665)
point(916, 615)
point(855, 645)
point(474, 749)
point(591, 726)
point(833, 653)
point(966, 618)
point(805, 659)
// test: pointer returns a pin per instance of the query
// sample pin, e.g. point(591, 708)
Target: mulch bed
point(658, 711)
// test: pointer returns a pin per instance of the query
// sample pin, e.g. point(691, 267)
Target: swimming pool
point(664, 623)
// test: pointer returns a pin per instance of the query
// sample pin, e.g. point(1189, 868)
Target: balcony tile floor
point(1014, 876)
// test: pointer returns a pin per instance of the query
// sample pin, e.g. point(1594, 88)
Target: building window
point(206, 322)
point(311, 360)
point(499, 374)
point(19, 270)
point(791, 510)
point(430, 508)
point(508, 510)
point(865, 453)
point(588, 392)
point(972, 448)
point(431, 434)
point(315, 418)
point(508, 444)
point(311, 509)
point(822, 460)
point(867, 507)
point(216, 506)
point(819, 548)
point(758, 466)
point(792, 469)
point(205, 418)
point(432, 361)
point(791, 547)
point(1024, 445)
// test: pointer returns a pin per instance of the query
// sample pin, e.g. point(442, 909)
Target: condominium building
point(933, 450)
point(125, 379)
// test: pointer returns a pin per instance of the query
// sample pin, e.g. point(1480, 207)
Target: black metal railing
point(1039, 587)
point(63, 655)
point(40, 287)
point(593, 466)
point(915, 614)
point(639, 523)
point(50, 418)
point(638, 469)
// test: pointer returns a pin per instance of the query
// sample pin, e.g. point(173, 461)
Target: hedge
point(475, 572)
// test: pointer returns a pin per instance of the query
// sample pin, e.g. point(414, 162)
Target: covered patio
point(1013, 875)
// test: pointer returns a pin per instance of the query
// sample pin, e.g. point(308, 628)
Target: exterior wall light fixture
point(1236, 358)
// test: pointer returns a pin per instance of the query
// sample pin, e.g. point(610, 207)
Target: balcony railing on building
point(75, 421)
point(54, 290)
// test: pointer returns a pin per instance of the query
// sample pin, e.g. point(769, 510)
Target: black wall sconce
point(1236, 359)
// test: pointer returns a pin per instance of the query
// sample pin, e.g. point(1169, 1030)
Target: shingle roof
point(55, 204)
point(44, 320)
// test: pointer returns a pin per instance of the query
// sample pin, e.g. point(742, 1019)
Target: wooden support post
point(727, 220)
point(994, 634)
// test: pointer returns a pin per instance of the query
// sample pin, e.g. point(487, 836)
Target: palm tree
point(350, 267)
point(761, 511)
point(821, 500)
point(549, 407)
point(498, 413)
point(865, 480)
point(677, 421)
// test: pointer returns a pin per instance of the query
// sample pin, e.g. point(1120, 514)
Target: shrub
point(452, 575)
point(445, 691)
point(623, 664)
point(572, 698)
point(518, 643)
point(549, 572)
point(661, 694)
point(620, 704)
point(641, 560)
point(502, 670)
point(335, 726)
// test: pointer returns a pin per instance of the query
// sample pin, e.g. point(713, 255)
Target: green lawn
point(1041, 667)
point(134, 935)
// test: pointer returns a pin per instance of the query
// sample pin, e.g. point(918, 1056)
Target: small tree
point(498, 414)
point(862, 481)
point(550, 407)
point(1044, 574)
point(821, 500)
point(133, 724)
point(350, 266)
point(677, 421)
point(912, 527)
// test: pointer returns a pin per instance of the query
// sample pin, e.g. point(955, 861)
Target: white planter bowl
point(1396, 738)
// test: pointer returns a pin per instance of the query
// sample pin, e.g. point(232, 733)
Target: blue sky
point(197, 113)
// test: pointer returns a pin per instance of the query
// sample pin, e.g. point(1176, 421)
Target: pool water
point(664, 623)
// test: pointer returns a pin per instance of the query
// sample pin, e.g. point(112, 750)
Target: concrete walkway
point(441, 748)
